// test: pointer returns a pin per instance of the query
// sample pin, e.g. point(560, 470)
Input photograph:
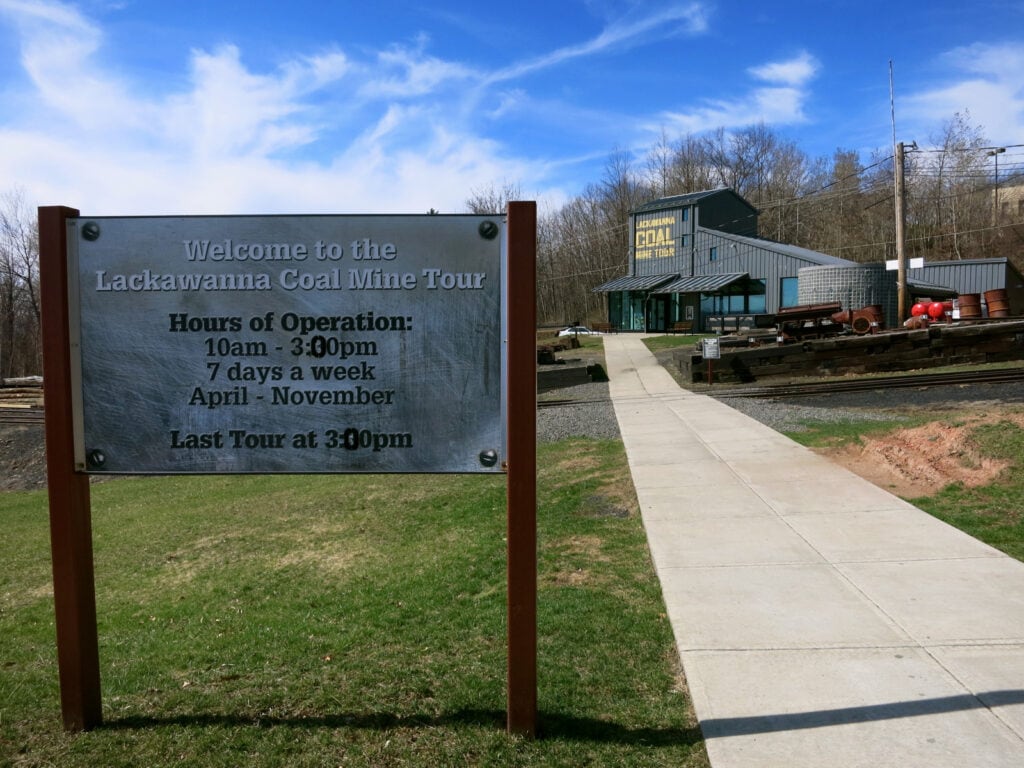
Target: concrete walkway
point(821, 621)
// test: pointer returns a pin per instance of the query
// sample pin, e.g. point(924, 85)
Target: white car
point(578, 330)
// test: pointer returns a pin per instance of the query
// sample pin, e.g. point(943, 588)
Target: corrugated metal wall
point(728, 213)
point(963, 276)
point(975, 276)
point(761, 263)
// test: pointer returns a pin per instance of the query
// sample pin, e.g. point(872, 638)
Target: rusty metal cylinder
point(998, 303)
point(970, 306)
point(876, 314)
point(869, 319)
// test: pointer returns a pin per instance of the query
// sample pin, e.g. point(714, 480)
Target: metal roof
point(806, 254)
point(935, 291)
point(635, 283)
point(689, 199)
point(703, 283)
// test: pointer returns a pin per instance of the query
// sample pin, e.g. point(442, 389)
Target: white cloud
point(228, 143)
point(778, 104)
point(671, 20)
point(985, 80)
point(397, 130)
point(794, 72)
point(402, 72)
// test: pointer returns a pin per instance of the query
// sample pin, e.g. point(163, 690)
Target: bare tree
point(491, 200)
point(20, 343)
point(947, 194)
point(837, 205)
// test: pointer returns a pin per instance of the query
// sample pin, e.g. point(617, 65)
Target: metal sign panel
point(288, 343)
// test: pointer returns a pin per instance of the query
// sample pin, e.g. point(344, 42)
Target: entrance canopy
point(636, 283)
point(671, 283)
point(702, 283)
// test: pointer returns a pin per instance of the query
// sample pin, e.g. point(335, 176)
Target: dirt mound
point(923, 460)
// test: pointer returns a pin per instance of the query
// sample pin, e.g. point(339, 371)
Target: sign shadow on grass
point(551, 725)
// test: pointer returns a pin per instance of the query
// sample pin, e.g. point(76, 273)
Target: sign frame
point(251, 378)
point(70, 505)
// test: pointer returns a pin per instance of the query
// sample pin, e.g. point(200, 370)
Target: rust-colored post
point(522, 469)
point(74, 593)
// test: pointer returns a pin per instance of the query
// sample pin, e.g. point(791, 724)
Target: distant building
point(1008, 201)
point(696, 261)
point(697, 258)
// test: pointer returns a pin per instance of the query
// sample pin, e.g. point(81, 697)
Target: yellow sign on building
point(656, 237)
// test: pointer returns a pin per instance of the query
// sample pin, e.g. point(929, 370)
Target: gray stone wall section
point(855, 287)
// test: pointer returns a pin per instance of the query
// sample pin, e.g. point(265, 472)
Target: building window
point(745, 297)
point(756, 297)
point(790, 296)
point(713, 254)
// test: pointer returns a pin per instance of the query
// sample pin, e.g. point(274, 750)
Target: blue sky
point(125, 107)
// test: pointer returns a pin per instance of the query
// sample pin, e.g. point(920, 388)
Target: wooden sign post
point(522, 470)
point(116, 256)
point(74, 593)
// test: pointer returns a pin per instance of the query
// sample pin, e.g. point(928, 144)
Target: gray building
point(974, 276)
point(696, 259)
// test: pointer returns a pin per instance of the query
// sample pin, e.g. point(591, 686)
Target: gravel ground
point(22, 465)
point(596, 417)
point(788, 415)
point(592, 417)
point(791, 416)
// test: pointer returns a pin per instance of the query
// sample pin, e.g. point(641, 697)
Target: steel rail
point(1004, 375)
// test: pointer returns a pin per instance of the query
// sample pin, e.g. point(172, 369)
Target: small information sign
point(288, 343)
point(711, 349)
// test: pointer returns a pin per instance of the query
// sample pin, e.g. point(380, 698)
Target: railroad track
point(19, 414)
point(1000, 376)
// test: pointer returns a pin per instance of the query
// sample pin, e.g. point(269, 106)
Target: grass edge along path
point(348, 620)
point(992, 513)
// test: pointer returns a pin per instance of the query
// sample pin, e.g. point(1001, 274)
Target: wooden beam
point(522, 469)
point(74, 593)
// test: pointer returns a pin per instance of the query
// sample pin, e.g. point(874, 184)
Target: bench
point(684, 326)
point(603, 328)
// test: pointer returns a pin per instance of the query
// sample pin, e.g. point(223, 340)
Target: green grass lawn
point(993, 513)
point(672, 341)
point(347, 620)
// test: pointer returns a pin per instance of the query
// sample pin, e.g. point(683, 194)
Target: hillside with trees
point(840, 205)
point(964, 200)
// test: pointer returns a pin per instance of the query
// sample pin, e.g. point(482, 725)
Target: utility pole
point(901, 236)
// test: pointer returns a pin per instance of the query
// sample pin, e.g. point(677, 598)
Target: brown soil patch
point(923, 460)
point(574, 548)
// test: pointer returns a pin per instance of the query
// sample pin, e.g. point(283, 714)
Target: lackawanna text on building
point(696, 259)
